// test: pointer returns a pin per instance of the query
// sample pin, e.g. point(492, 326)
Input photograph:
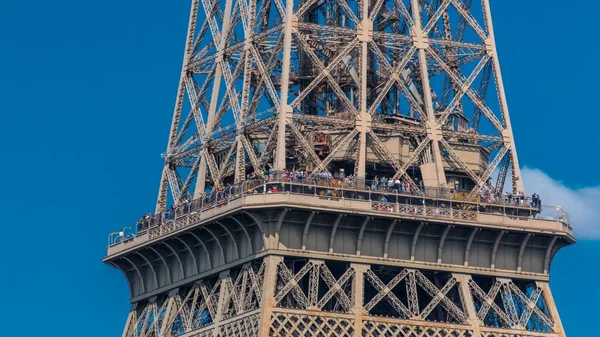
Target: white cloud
point(583, 205)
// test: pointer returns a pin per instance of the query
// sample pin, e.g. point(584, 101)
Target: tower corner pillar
point(552, 309)
point(358, 287)
point(469, 304)
point(267, 301)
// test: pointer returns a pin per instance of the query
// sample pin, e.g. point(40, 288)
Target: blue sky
point(86, 96)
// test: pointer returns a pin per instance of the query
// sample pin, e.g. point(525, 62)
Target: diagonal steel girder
point(246, 59)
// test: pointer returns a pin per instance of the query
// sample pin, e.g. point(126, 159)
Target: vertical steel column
point(313, 284)
point(363, 122)
point(467, 298)
point(421, 42)
point(223, 295)
point(240, 158)
point(358, 293)
point(214, 99)
point(507, 134)
point(170, 313)
point(161, 203)
point(285, 110)
point(549, 300)
point(130, 320)
point(268, 294)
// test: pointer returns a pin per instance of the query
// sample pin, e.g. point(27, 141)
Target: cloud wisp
point(583, 205)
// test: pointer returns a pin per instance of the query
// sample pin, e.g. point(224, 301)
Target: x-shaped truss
point(363, 66)
point(317, 271)
point(414, 278)
point(509, 316)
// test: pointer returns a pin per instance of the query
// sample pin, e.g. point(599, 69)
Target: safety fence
point(430, 202)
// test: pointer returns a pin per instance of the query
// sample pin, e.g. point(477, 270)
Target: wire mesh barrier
point(428, 202)
point(554, 213)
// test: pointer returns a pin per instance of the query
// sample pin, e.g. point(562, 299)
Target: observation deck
point(331, 219)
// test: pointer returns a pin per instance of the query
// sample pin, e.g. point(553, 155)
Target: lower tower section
point(283, 259)
point(280, 296)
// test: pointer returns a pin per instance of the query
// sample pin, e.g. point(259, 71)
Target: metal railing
point(431, 202)
point(555, 213)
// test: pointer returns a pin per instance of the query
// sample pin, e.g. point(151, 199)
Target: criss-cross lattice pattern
point(244, 292)
point(409, 294)
point(503, 334)
point(373, 328)
point(315, 85)
point(195, 308)
point(148, 322)
point(207, 333)
point(396, 302)
point(244, 327)
point(506, 305)
point(325, 291)
point(295, 325)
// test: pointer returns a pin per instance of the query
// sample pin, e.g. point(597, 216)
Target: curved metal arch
point(333, 230)
point(522, 251)
point(469, 244)
point(218, 243)
point(151, 267)
point(306, 228)
point(177, 257)
point(260, 227)
point(125, 273)
point(191, 253)
point(442, 241)
point(388, 237)
point(245, 232)
point(163, 261)
point(278, 228)
point(142, 282)
point(360, 234)
point(548, 253)
point(495, 250)
point(235, 245)
point(413, 247)
point(256, 221)
point(203, 247)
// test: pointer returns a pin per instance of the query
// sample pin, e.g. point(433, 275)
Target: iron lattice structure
point(323, 85)
point(407, 89)
point(328, 305)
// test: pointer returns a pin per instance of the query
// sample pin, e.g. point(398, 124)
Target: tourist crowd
point(255, 183)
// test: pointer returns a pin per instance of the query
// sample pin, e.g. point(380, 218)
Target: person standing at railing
point(397, 184)
point(171, 212)
point(390, 184)
point(536, 201)
point(271, 173)
point(139, 226)
point(374, 183)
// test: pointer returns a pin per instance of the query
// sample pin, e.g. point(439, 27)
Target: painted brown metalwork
point(330, 172)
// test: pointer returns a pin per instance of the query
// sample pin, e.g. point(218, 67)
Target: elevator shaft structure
point(338, 168)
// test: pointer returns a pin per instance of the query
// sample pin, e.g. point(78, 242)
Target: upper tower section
point(409, 90)
point(362, 131)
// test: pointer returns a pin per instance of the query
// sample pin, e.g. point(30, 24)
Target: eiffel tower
point(339, 168)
